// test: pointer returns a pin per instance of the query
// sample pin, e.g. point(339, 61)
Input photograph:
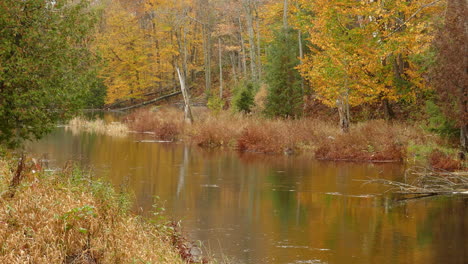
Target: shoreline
point(375, 141)
point(67, 216)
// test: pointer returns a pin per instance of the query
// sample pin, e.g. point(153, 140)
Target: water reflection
point(274, 209)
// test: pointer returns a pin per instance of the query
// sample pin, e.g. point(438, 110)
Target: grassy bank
point(67, 217)
point(369, 141)
point(374, 140)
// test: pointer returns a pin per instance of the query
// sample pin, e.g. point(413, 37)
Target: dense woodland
point(358, 60)
point(343, 80)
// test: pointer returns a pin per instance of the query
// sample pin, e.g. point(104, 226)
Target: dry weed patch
point(67, 218)
point(375, 140)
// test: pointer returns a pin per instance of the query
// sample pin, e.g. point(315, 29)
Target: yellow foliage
point(129, 61)
point(362, 49)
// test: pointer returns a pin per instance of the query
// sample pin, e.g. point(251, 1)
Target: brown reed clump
point(216, 131)
point(99, 126)
point(67, 218)
point(265, 136)
point(374, 140)
point(440, 161)
point(165, 124)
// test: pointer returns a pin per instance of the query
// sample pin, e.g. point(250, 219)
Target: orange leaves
point(128, 60)
point(362, 49)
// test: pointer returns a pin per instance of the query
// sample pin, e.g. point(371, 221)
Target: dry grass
point(115, 129)
point(165, 124)
point(440, 161)
point(375, 140)
point(67, 218)
point(215, 131)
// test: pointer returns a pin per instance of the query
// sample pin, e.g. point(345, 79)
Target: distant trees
point(365, 51)
point(45, 65)
point(129, 60)
point(450, 74)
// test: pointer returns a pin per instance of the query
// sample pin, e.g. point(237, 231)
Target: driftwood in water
point(424, 182)
point(187, 109)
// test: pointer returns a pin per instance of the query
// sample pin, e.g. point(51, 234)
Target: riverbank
point(67, 216)
point(370, 141)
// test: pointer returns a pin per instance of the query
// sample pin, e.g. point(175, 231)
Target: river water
point(255, 208)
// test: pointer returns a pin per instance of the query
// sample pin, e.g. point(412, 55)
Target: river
point(256, 208)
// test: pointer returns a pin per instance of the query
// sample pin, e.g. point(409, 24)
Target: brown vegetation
point(165, 124)
point(440, 161)
point(375, 140)
point(67, 218)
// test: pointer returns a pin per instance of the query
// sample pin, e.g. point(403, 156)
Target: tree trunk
point(244, 59)
point(233, 66)
point(464, 139)
point(220, 69)
point(388, 111)
point(343, 111)
point(285, 14)
point(250, 30)
point(187, 109)
point(301, 58)
point(207, 58)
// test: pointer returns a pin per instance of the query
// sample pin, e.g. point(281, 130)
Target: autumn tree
point(129, 64)
point(363, 50)
point(450, 76)
point(45, 65)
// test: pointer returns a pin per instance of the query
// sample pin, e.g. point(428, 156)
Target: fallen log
point(150, 101)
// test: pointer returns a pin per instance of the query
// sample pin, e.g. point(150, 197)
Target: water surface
point(273, 209)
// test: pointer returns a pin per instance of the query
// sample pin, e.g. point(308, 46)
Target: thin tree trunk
point(250, 30)
point(220, 69)
point(233, 66)
point(257, 26)
point(301, 59)
point(187, 109)
point(388, 111)
point(343, 111)
point(464, 139)
point(185, 63)
point(207, 57)
point(244, 59)
point(285, 14)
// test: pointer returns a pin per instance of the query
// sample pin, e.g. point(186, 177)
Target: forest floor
point(369, 141)
point(67, 216)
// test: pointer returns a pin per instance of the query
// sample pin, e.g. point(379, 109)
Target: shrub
point(439, 123)
point(165, 124)
point(441, 161)
point(215, 104)
point(215, 132)
point(371, 141)
point(243, 99)
point(66, 217)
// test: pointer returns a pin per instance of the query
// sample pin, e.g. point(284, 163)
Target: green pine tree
point(244, 94)
point(285, 96)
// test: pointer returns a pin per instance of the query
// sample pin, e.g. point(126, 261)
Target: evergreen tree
point(45, 64)
point(284, 97)
point(244, 94)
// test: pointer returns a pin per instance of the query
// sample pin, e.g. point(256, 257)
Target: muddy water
point(273, 209)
